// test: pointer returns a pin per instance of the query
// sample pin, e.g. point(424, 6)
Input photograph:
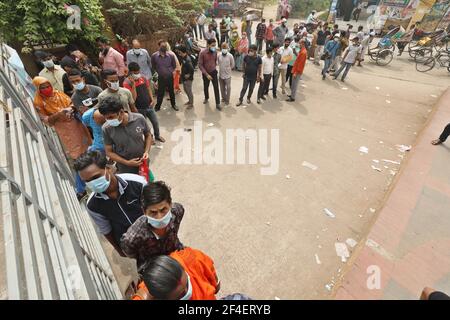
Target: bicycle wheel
point(426, 65)
point(422, 55)
point(384, 57)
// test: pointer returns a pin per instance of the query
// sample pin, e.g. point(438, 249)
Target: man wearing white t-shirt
point(267, 68)
point(352, 54)
point(286, 56)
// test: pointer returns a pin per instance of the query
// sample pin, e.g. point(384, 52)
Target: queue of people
point(101, 119)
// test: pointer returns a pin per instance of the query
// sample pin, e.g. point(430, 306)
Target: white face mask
point(188, 294)
point(114, 85)
point(49, 64)
point(160, 223)
point(136, 76)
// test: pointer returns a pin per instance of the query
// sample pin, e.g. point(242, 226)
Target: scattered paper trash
point(378, 88)
point(210, 124)
point(329, 286)
point(392, 172)
point(433, 96)
point(363, 130)
point(403, 148)
point(288, 176)
point(390, 161)
point(329, 213)
point(372, 210)
point(342, 251)
point(344, 88)
point(388, 101)
point(386, 167)
point(376, 161)
point(351, 242)
point(268, 223)
point(381, 142)
point(317, 259)
point(309, 165)
point(363, 149)
point(376, 168)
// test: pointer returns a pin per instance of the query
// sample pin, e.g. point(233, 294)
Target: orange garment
point(300, 62)
point(176, 81)
point(201, 271)
point(73, 134)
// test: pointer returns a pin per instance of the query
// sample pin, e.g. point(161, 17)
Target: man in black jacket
point(187, 75)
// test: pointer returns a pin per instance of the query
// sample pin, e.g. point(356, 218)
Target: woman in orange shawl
point(187, 274)
point(55, 109)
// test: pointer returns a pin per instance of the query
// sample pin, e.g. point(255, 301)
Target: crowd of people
point(100, 115)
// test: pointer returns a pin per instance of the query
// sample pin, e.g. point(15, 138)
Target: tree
point(306, 6)
point(135, 17)
point(26, 23)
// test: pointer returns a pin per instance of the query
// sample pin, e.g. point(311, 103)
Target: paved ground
point(264, 232)
point(410, 241)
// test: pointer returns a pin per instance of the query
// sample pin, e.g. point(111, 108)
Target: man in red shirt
point(297, 70)
point(269, 34)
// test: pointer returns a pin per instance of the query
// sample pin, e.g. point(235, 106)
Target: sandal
point(436, 142)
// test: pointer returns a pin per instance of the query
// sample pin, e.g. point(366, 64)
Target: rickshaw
point(383, 53)
point(430, 42)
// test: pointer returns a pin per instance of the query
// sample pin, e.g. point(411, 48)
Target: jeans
point(164, 83)
point(275, 79)
point(225, 89)
point(326, 67)
point(336, 62)
point(187, 86)
point(248, 84)
point(201, 31)
point(215, 83)
point(259, 43)
point(240, 61)
point(294, 87)
point(445, 134)
point(347, 67)
point(289, 75)
point(269, 43)
point(151, 115)
point(264, 86)
point(318, 53)
point(224, 37)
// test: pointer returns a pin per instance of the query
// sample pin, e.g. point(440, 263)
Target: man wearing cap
point(280, 32)
point(331, 49)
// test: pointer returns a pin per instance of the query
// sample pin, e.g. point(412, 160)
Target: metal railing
point(50, 248)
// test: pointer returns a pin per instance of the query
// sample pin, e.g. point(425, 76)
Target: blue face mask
point(160, 223)
point(188, 294)
point(99, 185)
point(213, 49)
point(79, 86)
point(114, 122)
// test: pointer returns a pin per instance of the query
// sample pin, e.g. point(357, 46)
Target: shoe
point(258, 101)
point(334, 78)
point(218, 107)
point(239, 103)
point(187, 103)
point(160, 139)
point(290, 100)
point(205, 101)
point(249, 101)
point(81, 195)
point(189, 106)
point(227, 103)
point(275, 96)
point(175, 108)
point(264, 98)
point(157, 109)
point(323, 77)
point(342, 80)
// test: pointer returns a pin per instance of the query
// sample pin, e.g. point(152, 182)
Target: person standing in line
point(223, 31)
point(297, 71)
point(215, 28)
point(269, 34)
point(276, 69)
point(111, 59)
point(343, 41)
point(113, 89)
point(321, 38)
point(201, 20)
point(165, 65)
point(141, 91)
point(226, 65)
point(351, 55)
point(280, 32)
point(252, 74)
point(261, 29)
point(360, 33)
point(331, 50)
point(242, 51)
point(141, 57)
point(207, 63)
point(248, 30)
point(187, 76)
point(267, 70)
point(286, 56)
point(210, 34)
point(52, 72)
point(365, 43)
point(193, 25)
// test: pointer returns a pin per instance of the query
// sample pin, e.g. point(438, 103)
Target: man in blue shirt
point(331, 50)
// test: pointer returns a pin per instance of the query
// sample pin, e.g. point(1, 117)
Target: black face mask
point(105, 51)
point(163, 49)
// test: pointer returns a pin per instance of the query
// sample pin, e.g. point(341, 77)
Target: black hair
point(108, 72)
point(287, 39)
point(336, 26)
point(70, 48)
point(161, 275)
point(161, 41)
point(211, 41)
point(269, 49)
point(90, 157)
point(360, 28)
point(253, 47)
point(74, 72)
point(134, 66)
point(156, 192)
point(102, 39)
point(47, 55)
point(275, 45)
point(68, 62)
point(110, 105)
point(182, 49)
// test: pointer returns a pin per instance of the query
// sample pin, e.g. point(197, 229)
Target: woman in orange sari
point(55, 110)
point(188, 274)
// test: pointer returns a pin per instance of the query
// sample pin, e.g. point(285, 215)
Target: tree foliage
point(135, 17)
point(304, 7)
point(25, 23)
